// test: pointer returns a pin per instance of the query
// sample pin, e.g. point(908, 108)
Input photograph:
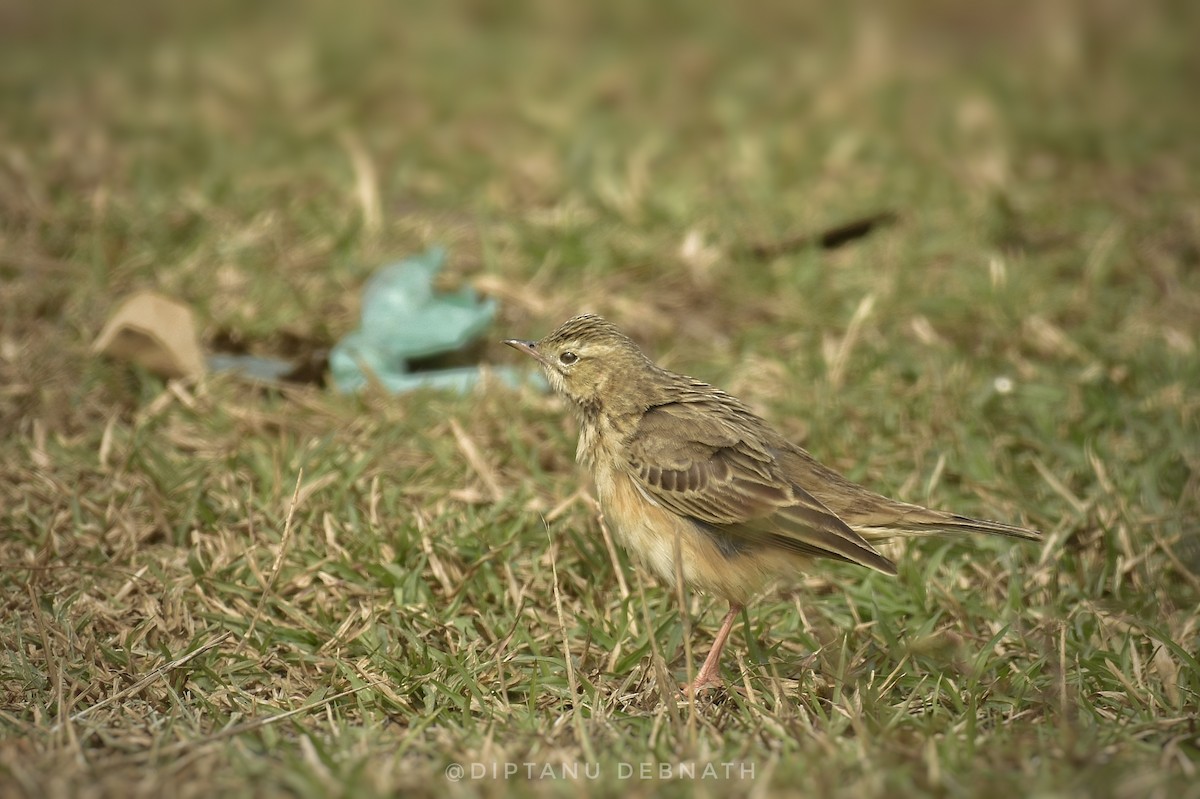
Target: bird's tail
point(953, 523)
point(922, 521)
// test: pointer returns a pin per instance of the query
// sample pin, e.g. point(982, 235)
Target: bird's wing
point(685, 457)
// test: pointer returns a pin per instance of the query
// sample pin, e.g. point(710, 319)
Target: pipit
point(695, 483)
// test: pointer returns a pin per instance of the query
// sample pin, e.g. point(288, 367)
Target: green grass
point(1021, 344)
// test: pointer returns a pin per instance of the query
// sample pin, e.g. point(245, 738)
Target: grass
point(215, 588)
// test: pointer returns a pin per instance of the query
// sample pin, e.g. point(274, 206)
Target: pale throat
point(595, 436)
point(603, 436)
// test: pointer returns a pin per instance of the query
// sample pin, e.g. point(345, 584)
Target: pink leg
point(710, 672)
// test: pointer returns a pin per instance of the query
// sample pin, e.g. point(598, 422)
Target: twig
point(827, 239)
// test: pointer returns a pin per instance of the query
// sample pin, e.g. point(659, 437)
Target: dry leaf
point(155, 332)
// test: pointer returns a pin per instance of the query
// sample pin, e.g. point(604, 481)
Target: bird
point(694, 483)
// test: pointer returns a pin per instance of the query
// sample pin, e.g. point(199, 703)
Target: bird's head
point(588, 361)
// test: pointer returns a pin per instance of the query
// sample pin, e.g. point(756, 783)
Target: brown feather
point(728, 477)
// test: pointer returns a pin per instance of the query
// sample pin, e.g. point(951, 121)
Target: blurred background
point(260, 160)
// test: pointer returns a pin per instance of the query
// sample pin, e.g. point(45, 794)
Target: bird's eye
point(568, 358)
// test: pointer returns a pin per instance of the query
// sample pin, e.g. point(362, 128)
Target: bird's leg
point(710, 672)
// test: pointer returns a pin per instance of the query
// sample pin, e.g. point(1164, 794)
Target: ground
point(216, 588)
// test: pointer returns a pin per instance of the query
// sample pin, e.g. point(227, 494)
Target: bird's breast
point(589, 445)
point(670, 544)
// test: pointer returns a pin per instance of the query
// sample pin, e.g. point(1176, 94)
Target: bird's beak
point(527, 347)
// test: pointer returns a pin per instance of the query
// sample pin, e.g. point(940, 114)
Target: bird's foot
point(704, 680)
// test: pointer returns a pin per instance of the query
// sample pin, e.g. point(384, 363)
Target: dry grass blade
point(182, 747)
point(1078, 505)
point(155, 674)
point(366, 182)
point(276, 565)
point(478, 463)
point(572, 679)
point(839, 356)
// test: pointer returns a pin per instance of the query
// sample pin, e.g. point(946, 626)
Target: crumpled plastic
point(403, 319)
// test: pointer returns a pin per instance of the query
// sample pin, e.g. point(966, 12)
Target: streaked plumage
point(682, 465)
